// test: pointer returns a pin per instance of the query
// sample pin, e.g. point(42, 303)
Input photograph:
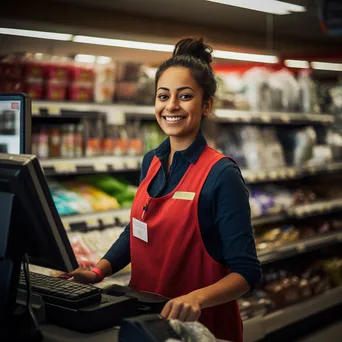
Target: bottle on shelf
point(43, 147)
point(55, 142)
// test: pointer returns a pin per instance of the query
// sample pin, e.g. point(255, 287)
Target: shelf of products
point(282, 118)
point(301, 211)
point(118, 112)
point(95, 220)
point(257, 328)
point(58, 166)
point(301, 246)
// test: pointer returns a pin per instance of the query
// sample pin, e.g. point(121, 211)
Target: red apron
point(175, 261)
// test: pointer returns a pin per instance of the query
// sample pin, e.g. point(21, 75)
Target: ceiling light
point(326, 66)
point(103, 60)
point(36, 34)
point(294, 63)
point(267, 6)
point(124, 43)
point(85, 58)
point(249, 57)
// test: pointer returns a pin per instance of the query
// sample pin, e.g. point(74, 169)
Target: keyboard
point(61, 292)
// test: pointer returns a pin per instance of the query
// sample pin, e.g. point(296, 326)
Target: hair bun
point(194, 47)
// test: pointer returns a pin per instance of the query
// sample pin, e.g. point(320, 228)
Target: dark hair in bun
point(194, 55)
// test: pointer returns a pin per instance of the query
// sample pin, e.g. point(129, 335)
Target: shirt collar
point(191, 154)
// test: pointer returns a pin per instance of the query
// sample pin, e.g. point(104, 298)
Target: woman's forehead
point(177, 77)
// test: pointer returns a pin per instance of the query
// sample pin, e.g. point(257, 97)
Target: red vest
point(175, 261)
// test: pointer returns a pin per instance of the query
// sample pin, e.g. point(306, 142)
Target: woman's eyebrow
point(178, 89)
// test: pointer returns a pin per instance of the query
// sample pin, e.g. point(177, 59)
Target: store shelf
point(55, 167)
point(288, 173)
point(281, 118)
point(301, 211)
point(117, 113)
point(95, 220)
point(98, 220)
point(298, 247)
point(255, 329)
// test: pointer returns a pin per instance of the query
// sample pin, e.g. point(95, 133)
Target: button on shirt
point(223, 210)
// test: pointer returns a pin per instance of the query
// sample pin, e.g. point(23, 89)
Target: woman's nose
point(172, 104)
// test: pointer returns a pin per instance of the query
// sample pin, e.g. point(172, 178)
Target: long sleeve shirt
point(223, 210)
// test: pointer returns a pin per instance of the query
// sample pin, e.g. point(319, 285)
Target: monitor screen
point(15, 123)
point(36, 227)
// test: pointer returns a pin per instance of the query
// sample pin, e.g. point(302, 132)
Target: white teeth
point(173, 118)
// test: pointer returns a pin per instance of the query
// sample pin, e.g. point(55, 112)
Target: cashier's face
point(179, 105)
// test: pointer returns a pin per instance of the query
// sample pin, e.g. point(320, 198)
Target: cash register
point(31, 232)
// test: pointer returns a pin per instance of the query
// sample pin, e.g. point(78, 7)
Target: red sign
point(14, 105)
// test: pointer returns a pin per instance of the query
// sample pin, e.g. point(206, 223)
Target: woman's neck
point(179, 144)
point(182, 143)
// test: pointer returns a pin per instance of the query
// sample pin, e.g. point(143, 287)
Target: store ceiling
point(296, 25)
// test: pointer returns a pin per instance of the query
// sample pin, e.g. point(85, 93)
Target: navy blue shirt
point(223, 210)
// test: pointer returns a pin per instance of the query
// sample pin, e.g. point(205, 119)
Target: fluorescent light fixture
point(85, 58)
point(103, 60)
point(124, 43)
point(36, 34)
point(249, 57)
point(326, 66)
point(295, 63)
point(267, 6)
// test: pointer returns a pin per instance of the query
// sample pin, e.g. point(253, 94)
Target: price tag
point(35, 110)
point(100, 166)
point(118, 164)
point(66, 225)
point(54, 111)
point(108, 220)
point(266, 118)
point(285, 118)
point(245, 118)
point(261, 175)
point(300, 247)
point(65, 167)
point(131, 164)
point(92, 222)
point(273, 175)
point(291, 172)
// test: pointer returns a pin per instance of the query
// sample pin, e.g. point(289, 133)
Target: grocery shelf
point(288, 173)
point(300, 246)
point(95, 220)
point(121, 163)
point(301, 211)
point(279, 118)
point(117, 113)
point(255, 329)
point(55, 167)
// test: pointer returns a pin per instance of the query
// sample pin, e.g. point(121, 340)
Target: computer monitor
point(29, 223)
point(15, 123)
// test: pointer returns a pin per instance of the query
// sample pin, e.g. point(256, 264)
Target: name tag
point(140, 230)
point(184, 195)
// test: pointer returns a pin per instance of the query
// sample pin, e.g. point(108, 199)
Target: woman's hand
point(83, 276)
point(185, 308)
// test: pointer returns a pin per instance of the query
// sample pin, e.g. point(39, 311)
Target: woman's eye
point(186, 96)
point(162, 97)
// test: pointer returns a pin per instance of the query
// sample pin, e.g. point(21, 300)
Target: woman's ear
point(208, 106)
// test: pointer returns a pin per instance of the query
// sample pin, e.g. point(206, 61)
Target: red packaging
point(80, 93)
point(81, 74)
point(34, 71)
point(56, 72)
point(55, 91)
point(11, 70)
point(34, 90)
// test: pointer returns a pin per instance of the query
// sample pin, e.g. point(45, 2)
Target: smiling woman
point(190, 237)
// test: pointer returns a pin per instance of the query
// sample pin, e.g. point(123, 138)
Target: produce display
point(287, 286)
point(92, 193)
